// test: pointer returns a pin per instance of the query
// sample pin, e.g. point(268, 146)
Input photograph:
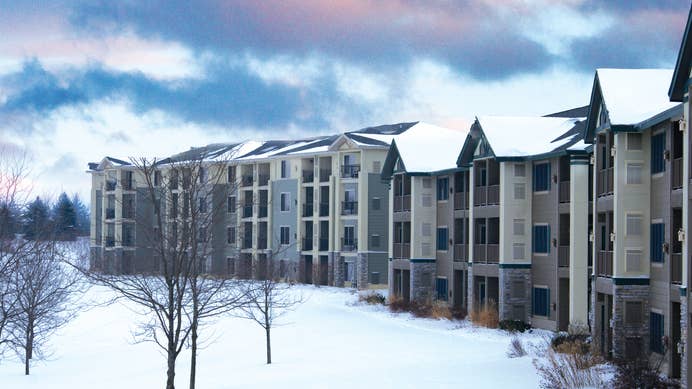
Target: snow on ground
point(329, 341)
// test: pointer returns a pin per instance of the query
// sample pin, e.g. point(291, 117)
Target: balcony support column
point(578, 247)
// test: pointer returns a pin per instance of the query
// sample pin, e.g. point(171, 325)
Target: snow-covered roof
point(632, 96)
point(523, 136)
point(429, 148)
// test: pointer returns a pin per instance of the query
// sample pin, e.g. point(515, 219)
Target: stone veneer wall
point(422, 274)
point(510, 298)
point(362, 270)
point(338, 264)
point(683, 339)
point(470, 295)
point(621, 330)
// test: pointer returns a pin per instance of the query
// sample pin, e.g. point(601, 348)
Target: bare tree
point(46, 289)
point(269, 300)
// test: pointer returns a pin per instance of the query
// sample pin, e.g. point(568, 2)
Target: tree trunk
point(269, 347)
point(28, 346)
point(170, 373)
point(193, 359)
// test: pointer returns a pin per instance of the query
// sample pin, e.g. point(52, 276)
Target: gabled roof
point(630, 97)
point(678, 84)
point(106, 163)
point(424, 148)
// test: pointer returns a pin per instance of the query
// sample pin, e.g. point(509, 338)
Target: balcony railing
point(247, 243)
point(676, 268)
point(247, 211)
point(246, 181)
point(308, 176)
point(262, 243)
point(349, 207)
point(110, 185)
point(605, 182)
point(605, 263)
point(486, 253)
point(324, 244)
point(349, 244)
point(110, 213)
point(110, 241)
point(563, 256)
point(128, 241)
point(677, 173)
point(402, 250)
point(461, 200)
point(263, 179)
point(127, 184)
point(350, 171)
point(324, 209)
point(460, 253)
point(263, 210)
point(308, 210)
point(493, 253)
point(324, 174)
point(307, 244)
point(402, 203)
point(563, 192)
point(486, 195)
point(479, 253)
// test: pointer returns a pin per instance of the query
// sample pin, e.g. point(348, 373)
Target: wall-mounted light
point(666, 155)
point(554, 242)
point(681, 348)
point(592, 159)
point(612, 151)
point(590, 236)
point(554, 306)
point(681, 235)
point(554, 178)
point(664, 247)
point(612, 237)
point(683, 125)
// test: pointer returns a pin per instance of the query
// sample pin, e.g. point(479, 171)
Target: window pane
point(634, 173)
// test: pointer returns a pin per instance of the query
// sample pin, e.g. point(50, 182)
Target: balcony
point(110, 213)
point(461, 200)
point(676, 268)
point(402, 250)
point(247, 211)
point(127, 184)
point(349, 244)
point(604, 183)
point(350, 171)
point(308, 210)
point(349, 207)
point(307, 244)
point(402, 203)
point(128, 241)
point(324, 174)
point(246, 181)
point(110, 185)
point(324, 244)
point(563, 256)
point(263, 211)
point(486, 253)
point(262, 243)
point(263, 179)
point(110, 241)
point(563, 192)
point(247, 243)
point(128, 212)
point(677, 173)
point(324, 209)
point(605, 264)
point(460, 253)
point(308, 176)
point(486, 195)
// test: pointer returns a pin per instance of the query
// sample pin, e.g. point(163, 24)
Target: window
point(284, 169)
point(518, 227)
point(202, 175)
point(157, 178)
point(656, 332)
point(634, 224)
point(541, 301)
point(426, 229)
point(541, 239)
point(519, 191)
point(230, 265)
point(376, 203)
point(375, 241)
point(634, 173)
point(231, 174)
point(658, 148)
point(202, 234)
point(427, 183)
point(633, 312)
point(202, 205)
point(519, 170)
point(658, 236)
point(285, 202)
point(427, 200)
point(541, 177)
point(634, 141)
point(376, 167)
point(442, 239)
point(231, 204)
point(442, 188)
point(285, 235)
point(441, 288)
point(230, 235)
point(633, 260)
point(349, 235)
point(518, 250)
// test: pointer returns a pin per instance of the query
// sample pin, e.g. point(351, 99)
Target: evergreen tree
point(36, 219)
point(64, 217)
point(83, 223)
point(9, 221)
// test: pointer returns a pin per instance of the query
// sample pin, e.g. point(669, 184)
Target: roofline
point(675, 92)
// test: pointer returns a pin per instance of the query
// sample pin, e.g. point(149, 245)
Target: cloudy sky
point(81, 80)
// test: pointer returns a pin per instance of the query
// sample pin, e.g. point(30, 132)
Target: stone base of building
point(338, 265)
point(627, 335)
point(515, 294)
point(422, 274)
point(361, 276)
point(684, 317)
point(471, 305)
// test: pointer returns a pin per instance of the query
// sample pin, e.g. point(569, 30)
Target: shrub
point(440, 310)
point(435, 310)
point(487, 316)
point(516, 349)
point(458, 313)
point(514, 325)
point(374, 298)
point(571, 343)
point(639, 371)
point(398, 304)
point(563, 370)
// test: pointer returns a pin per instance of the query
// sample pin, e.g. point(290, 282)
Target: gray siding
point(285, 218)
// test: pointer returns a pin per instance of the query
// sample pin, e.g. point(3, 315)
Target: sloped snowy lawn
point(327, 342)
